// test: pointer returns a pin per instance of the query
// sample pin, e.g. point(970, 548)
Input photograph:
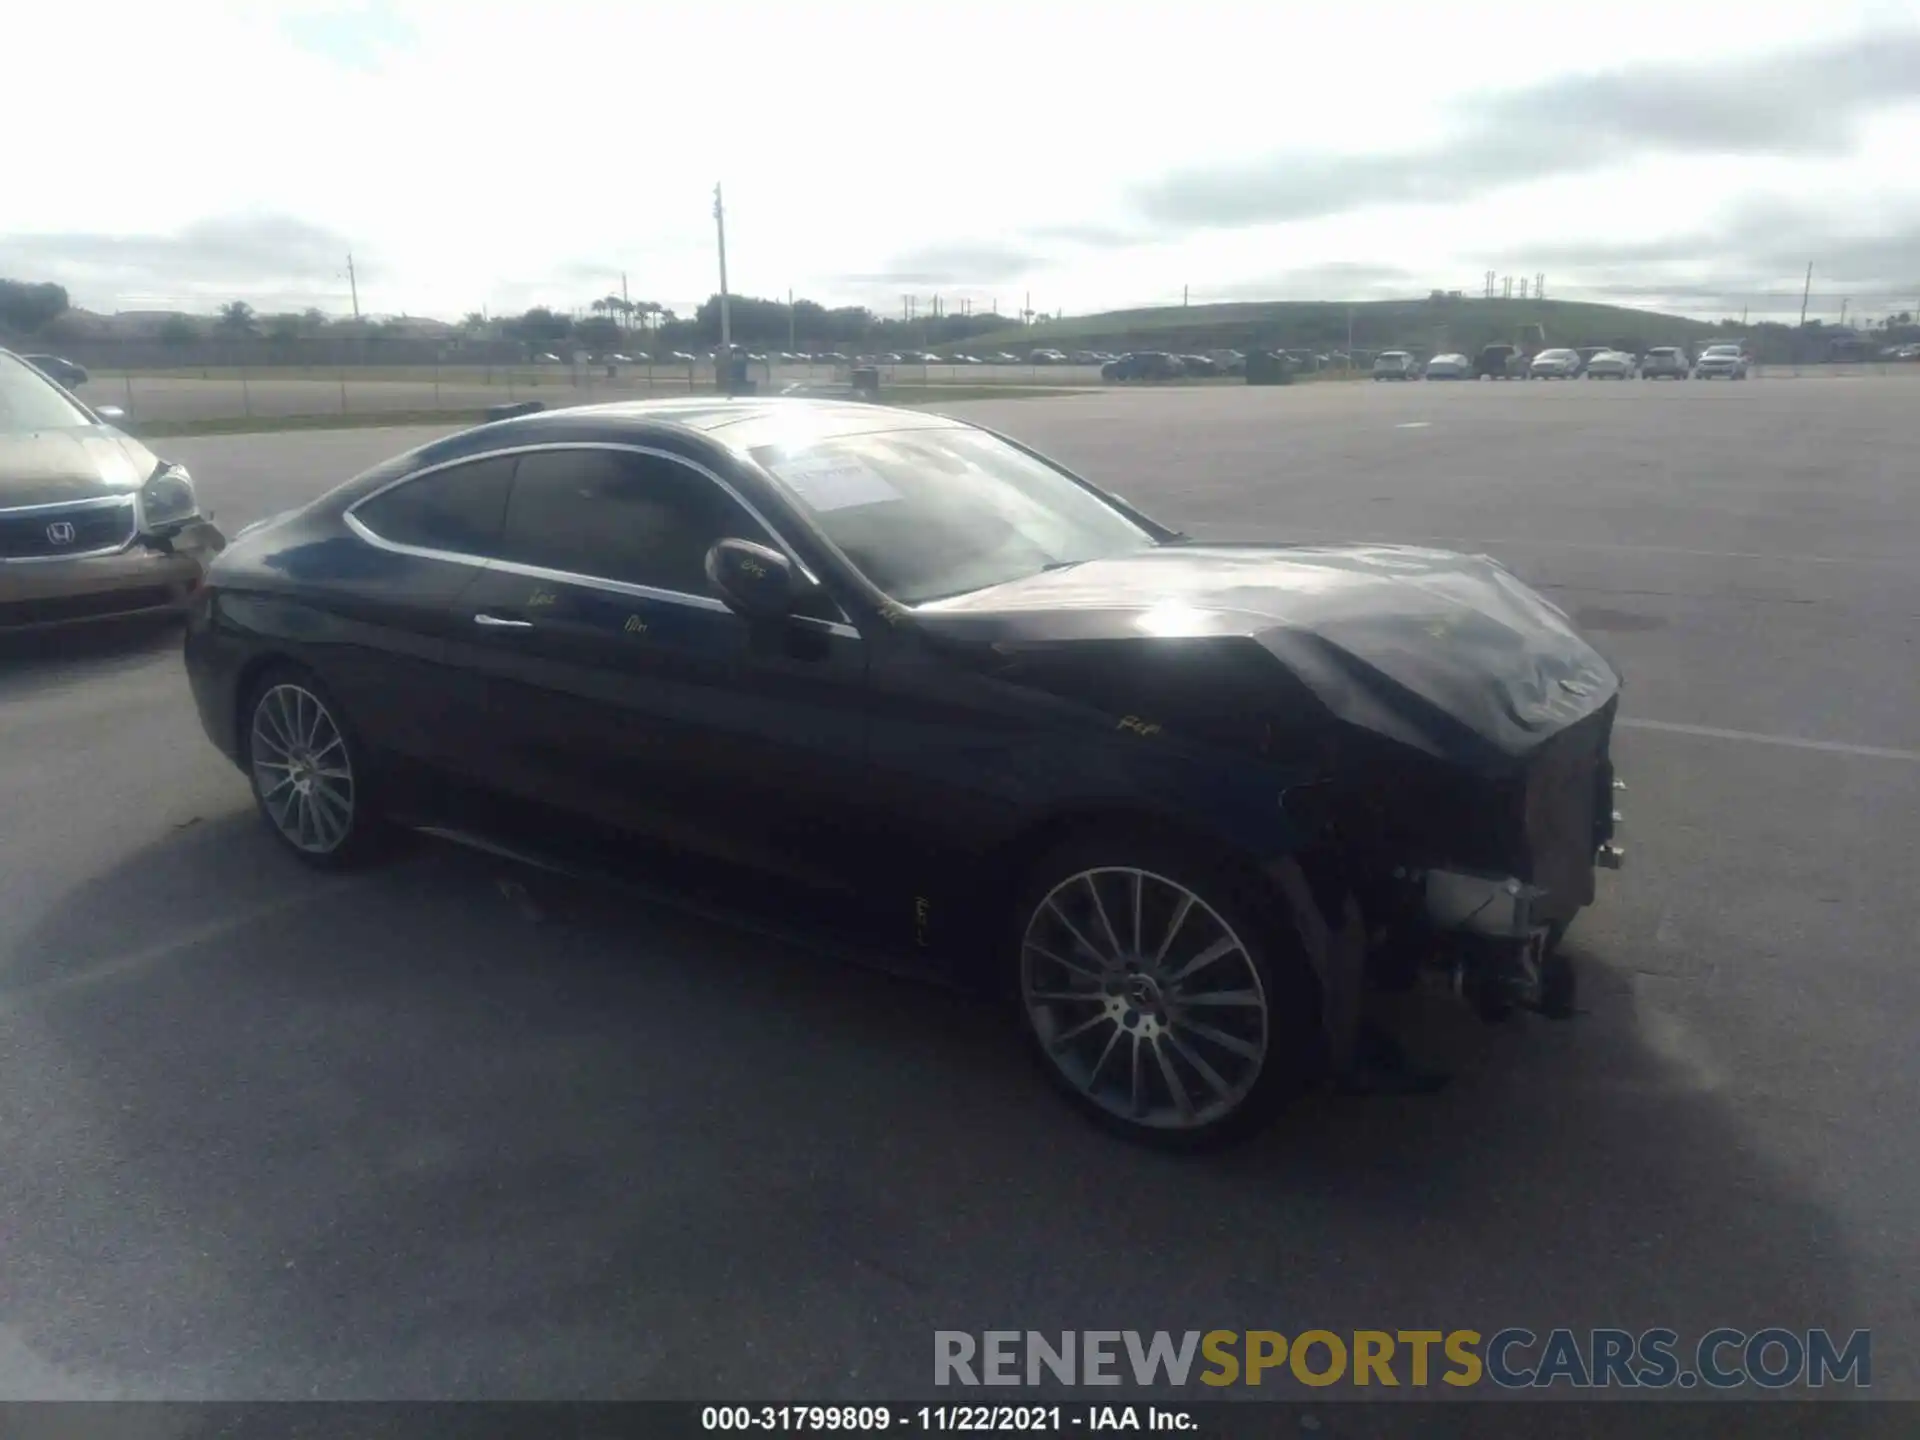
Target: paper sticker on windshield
point(836, 484)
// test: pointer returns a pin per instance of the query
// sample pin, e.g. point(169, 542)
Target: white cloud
point(475, 154)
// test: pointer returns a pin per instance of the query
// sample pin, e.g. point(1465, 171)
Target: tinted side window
point(459, 509)
point(621, 516)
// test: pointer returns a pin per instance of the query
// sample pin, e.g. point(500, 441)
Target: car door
point(389, 592)
point(617, 684)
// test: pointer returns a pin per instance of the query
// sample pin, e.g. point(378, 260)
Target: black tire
point(280, 707)
point(1217, 1094)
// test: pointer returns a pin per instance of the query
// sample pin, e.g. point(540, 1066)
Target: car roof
point(739, 423)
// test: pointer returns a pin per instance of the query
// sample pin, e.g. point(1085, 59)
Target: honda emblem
point(60, 532)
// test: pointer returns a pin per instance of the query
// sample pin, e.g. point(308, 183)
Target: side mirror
point(756, 582)
point(112, 414)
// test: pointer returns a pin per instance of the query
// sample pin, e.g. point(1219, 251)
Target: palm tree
point(236, 317)
point(651, 314)
point(475, 322)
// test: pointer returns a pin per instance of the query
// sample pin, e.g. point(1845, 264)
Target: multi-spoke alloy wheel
point(1145, 999)
point(301, 769)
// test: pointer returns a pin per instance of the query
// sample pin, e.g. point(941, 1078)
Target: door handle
point(497, 622)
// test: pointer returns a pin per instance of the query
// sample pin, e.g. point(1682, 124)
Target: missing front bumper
point(1491, 906)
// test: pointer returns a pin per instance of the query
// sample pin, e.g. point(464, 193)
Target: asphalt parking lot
point(268, 1134)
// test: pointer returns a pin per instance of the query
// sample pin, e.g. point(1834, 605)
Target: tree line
point(614, 322)
point(611, 323)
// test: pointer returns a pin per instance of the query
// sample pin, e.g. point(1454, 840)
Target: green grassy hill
point(1423, 325)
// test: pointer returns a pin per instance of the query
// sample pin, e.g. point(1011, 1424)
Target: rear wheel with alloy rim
point(308, 773)
point(1164, 1000)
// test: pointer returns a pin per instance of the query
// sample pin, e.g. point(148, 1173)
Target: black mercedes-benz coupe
point(93, 525)
point(1182, 802)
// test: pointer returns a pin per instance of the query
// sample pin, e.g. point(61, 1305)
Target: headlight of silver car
point(168, 498)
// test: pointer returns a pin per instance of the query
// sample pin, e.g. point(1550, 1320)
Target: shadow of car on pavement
point(454, 1129)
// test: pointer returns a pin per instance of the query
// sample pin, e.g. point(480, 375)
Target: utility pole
point(1183, 296)
point(726, 319)
point(353, 285)
point(1540, 285)
point(1806, 294)
point(791, 344)
point(1843, 311)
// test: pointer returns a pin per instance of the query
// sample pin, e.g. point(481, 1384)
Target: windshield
point(1556, 355)
point(1723, 350)
point(927, 514)
point(29, 401)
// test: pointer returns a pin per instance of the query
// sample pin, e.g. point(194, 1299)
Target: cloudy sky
point(1689, 154)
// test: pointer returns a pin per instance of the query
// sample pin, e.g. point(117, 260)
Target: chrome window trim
point(568, 577)
point(129, 501)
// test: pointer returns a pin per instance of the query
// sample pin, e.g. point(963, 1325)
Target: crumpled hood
point(44, 467)
point(1449, 653)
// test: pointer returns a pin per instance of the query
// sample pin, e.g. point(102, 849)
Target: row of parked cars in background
point(1591, 362)
point(835, 357)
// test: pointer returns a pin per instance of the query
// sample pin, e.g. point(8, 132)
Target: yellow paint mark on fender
point(922, 910)
point(542, 599)
point(1142, 728)
point(635, 625)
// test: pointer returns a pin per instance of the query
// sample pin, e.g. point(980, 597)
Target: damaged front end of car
point(1466, 794)
point(1437, 735)
point(1470, 877)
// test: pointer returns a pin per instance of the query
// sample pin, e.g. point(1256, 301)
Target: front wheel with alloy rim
point(308, 772)
point(1165, 999)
